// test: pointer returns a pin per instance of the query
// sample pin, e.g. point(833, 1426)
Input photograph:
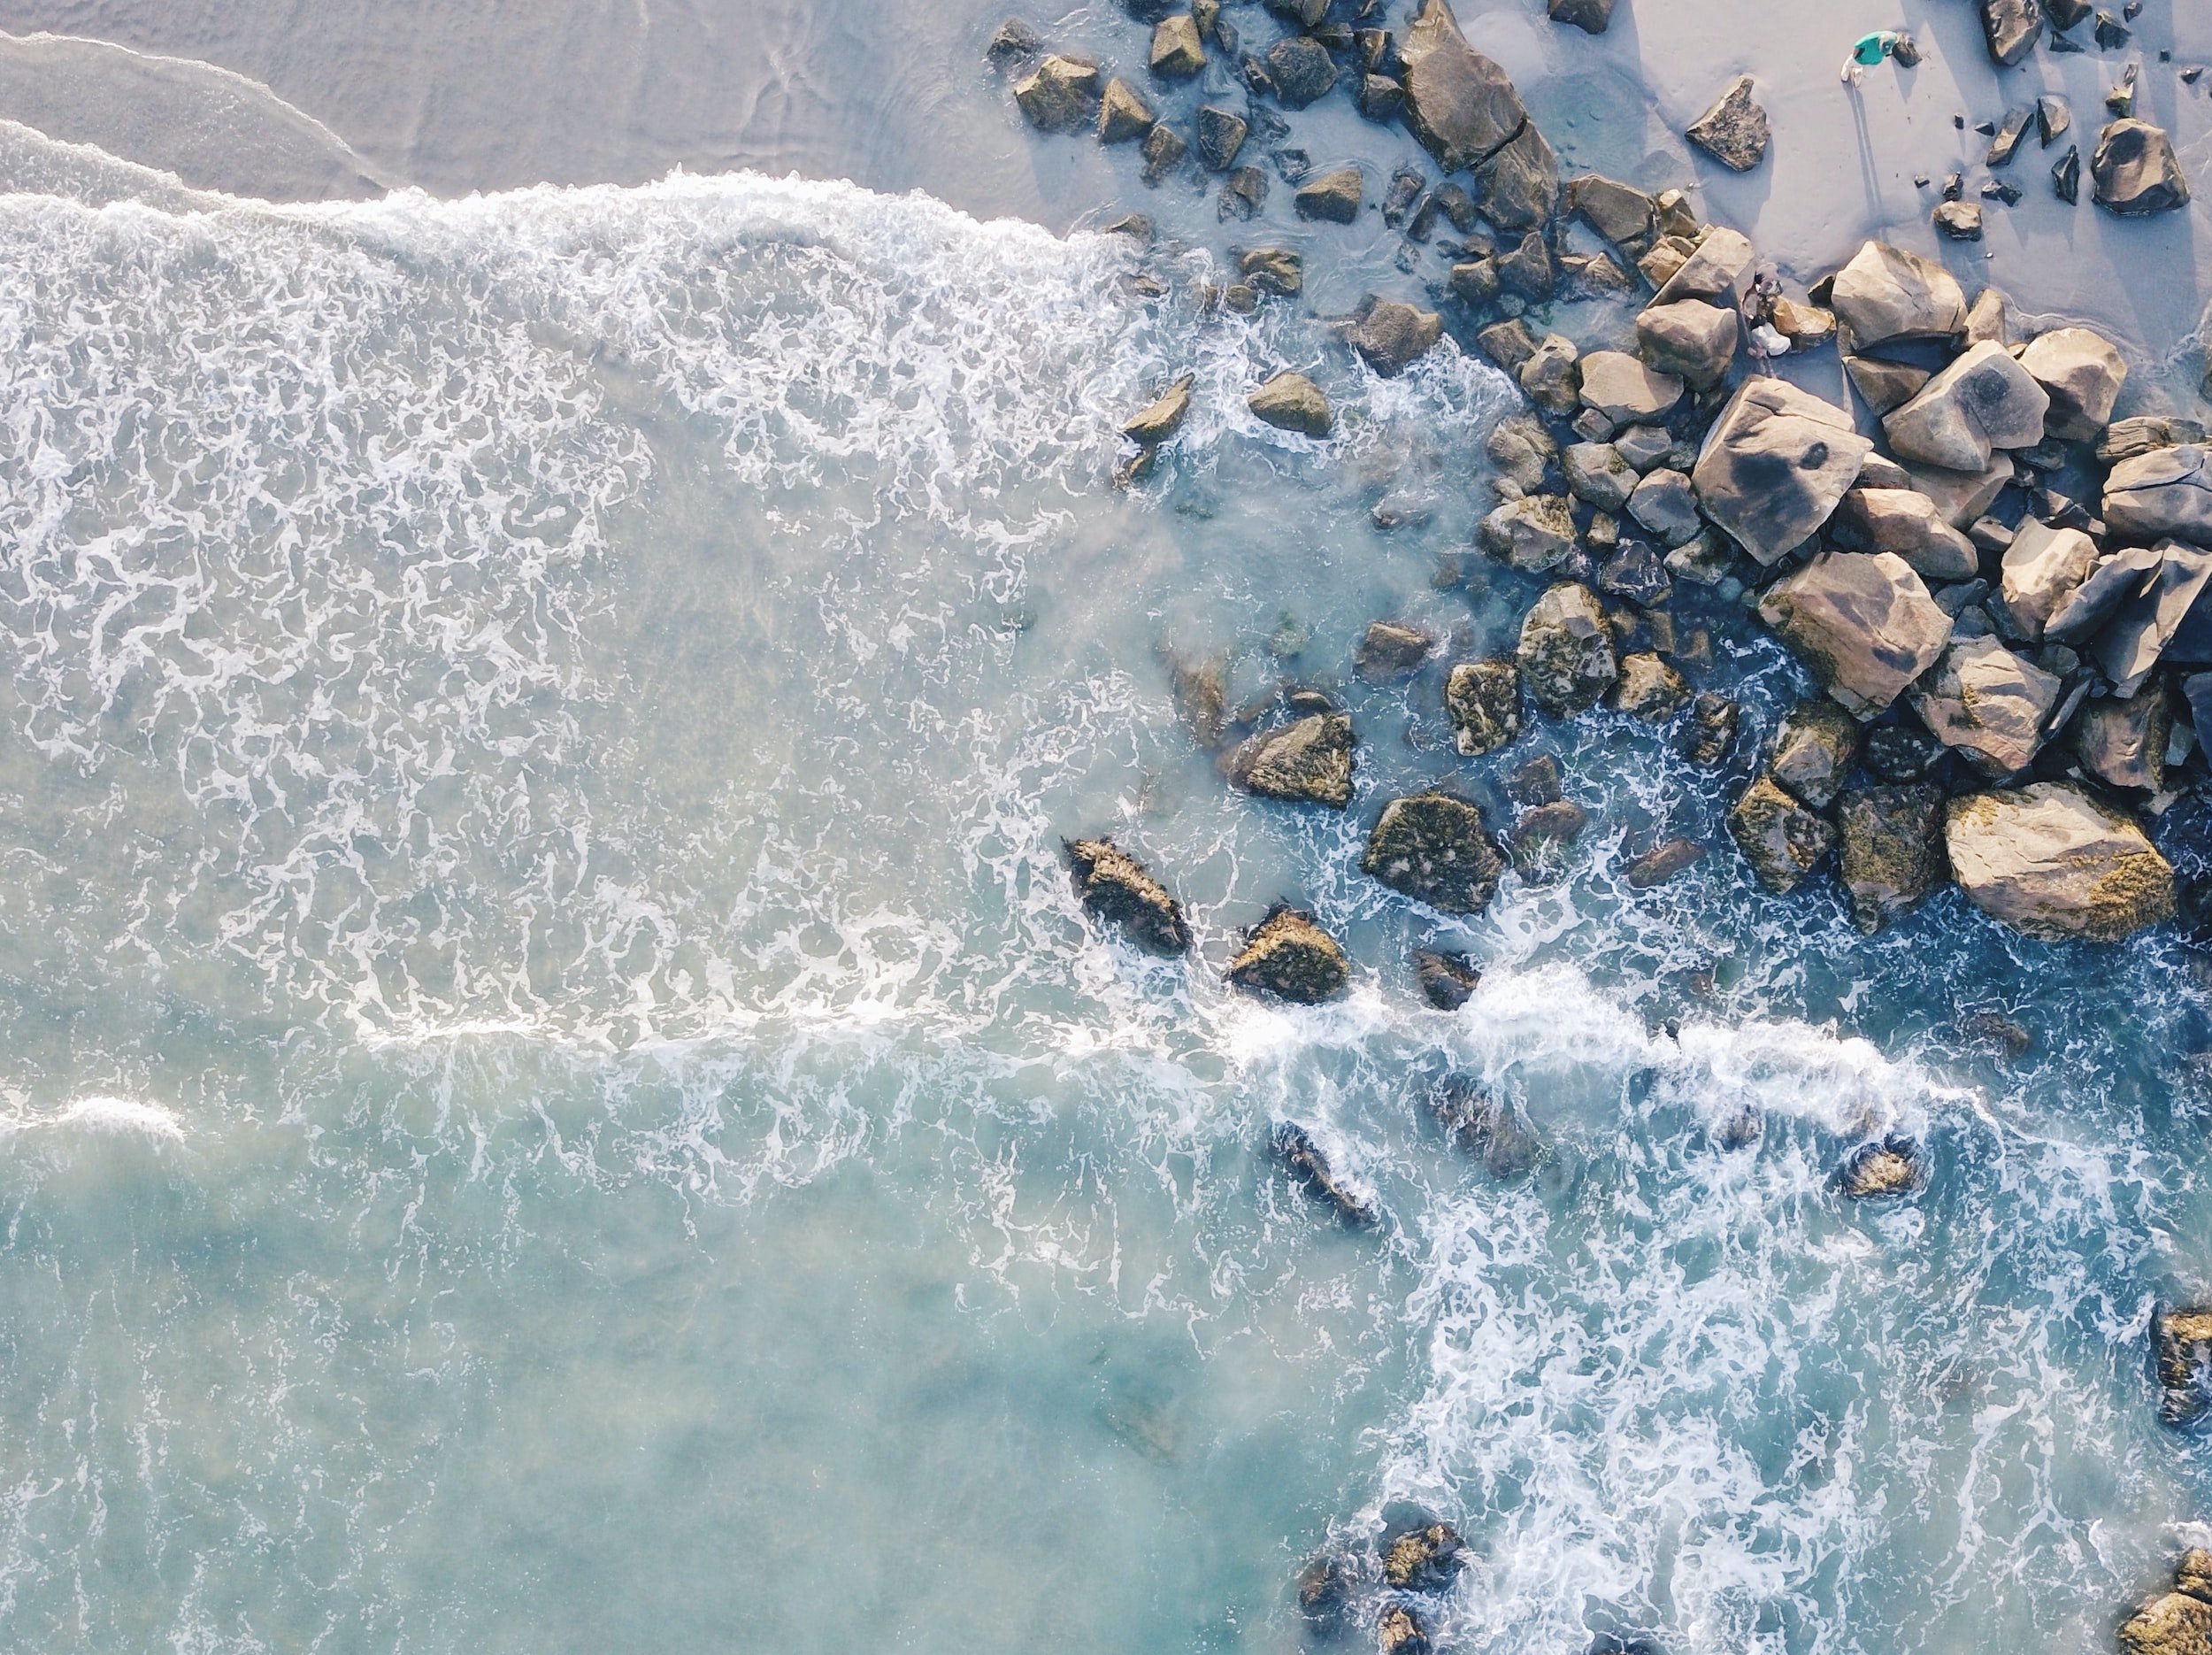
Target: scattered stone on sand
point(1391, 336)
point(1734, 132)
point(1221, 134)
point(1290, 402)
point(1306, 761)
point(1484, 701)
point(2053, 863)
point(1426, 1559)
point(1388, 651)
point(1959, 220)
point(1533, 534)
point(2122, 741)
point(1779, 837)
point(1692, 340)
point(1622, 214)
point(1891, 851)
point(1114, 886)
point(1289, 956)
point(1057, 95)
point(1863, 623)
point(1984, 400)
point(1887, 296)
point(1775, 466)
point(1891, 1167)
point(1177, 52)
point(1123, 114)
point(1164, 418)
point(1662, 862)
point(1883, 386)
point(2043, 567)
point(2010, 132)
point(1448, 981)
point(1710, 734)
point(2178, 1622)
point(1333, 198)
point(1399, 1631)
point(1986, 705)
point(1592, 16)
point(1648, 689)
point(2134, 170)
point(1813, 751)
point(2165, 491)
point(2066, 175)
point(2082, 372)
point(2011, 27)
point(1906, 521)
point(1487, 1129)
point(1434, 848)
point(2182, 1342)
point(1566, 650)
point(2052, 118)
point(1458, 104)
point(1299, 66)
point(1296, 1149)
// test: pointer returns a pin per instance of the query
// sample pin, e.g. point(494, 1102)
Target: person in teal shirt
point(1872, 48)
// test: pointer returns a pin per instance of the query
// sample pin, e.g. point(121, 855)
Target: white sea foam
point(105, 1114)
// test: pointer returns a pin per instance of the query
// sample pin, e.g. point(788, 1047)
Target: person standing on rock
point(1872, 48)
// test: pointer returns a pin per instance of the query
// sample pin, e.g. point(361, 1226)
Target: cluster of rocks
point(1413, 1562)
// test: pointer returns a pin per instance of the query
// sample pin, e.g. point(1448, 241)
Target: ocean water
point(557, 1097)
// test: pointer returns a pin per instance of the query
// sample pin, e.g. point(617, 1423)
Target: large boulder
point(1460, 104)
point(1177, 53)
point(1813, 751)
point(1648, 689)
point(2052, 862)
point(2135, 171)
point(1962, 497)
point(1987, 705)
point(1734, 131)
point(1123, 114)
point(1391, 336)
point(1433, 847)
point(1622, 214)
point(2166, 491)
point(1117, 887)
point(1300, 68)
point(1779, 837)
point(1309, 761)
point(1566, 653)
point(1056, 95)
point(1775, 466)
point(1290, 402)
point(1885, 295)
point(2178, 1622)
point(1519, 180)
point(1426, 1559)
point(1289, 956)
point(1483, 699)
point(2082, 372)
point(1983, 401)
point(2132, 642)
point(1892, 850)
point(1626, 391)
point(1533, 534)
point(1690, 339)
point(1163, 417)
point(1863, 624)
point(1719, 268)
point(1907, 522)
point(2118, 579)
point(2043, 567)
point(1448, 981)
point(2011, 27)
point(1333, 197)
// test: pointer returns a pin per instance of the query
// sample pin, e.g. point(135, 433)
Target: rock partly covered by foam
point(1566, 654)
point(1448, 981)
point(1775, 466)
point(1862, 622)
point(1309, 1166)
point(1487, 1128)
point(1308, 760)
point(1434, 848)
point(1164, 418)
point(2181, 1343)
point(1887, 296)
point(1984, 400)
point(2166, 491)
point(2053, 863)
point(1290, 957)
point(1114, 886)
point(1424, 1559)
point(1290, 402)
point(1391, 335)
point(1891, 1167)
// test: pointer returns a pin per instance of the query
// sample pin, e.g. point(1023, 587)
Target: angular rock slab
point(1983, 401)
point(1779, 837)
point(1290, 402)
point(1691, 339)
point(1117, 887)
point(2043, 567)
point(2011, 27)
point(1907, 522)
point(1862, 622)
point(1566, 654)
point(1460, 105)
point(1735, 131)
point(1775, 466)
point(2135, 171)
point(2167, 491)
point(1307, 761)
point(2132, 642)
point(2053, 863)
point(1987, 705)
point(2082, 372)
point(1886, 294)
point(1289, 956)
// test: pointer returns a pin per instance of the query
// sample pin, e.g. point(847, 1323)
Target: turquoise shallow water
point(558, 1097)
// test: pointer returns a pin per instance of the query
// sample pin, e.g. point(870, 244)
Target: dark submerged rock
point(1891, 1167)
point(1289, 956)
point(1425, 1559)
point(1391, 336)
point(1448, 981)
point(1297, 1150)
point(1114, 886)
point(1486, 1129)
point(2181, 1341)
point(1301, 69)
